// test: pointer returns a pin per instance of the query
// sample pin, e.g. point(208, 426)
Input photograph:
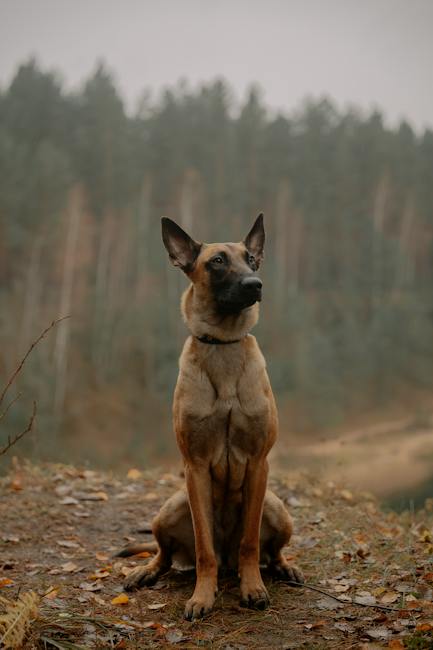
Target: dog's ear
point(255, 240)
point(182, 250)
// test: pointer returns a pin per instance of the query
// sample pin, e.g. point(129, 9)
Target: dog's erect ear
point(182, 250)
point(255, 240)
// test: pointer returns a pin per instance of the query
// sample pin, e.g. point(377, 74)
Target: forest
point(347, 315)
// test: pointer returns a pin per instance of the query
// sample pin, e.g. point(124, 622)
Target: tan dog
point(225, 421)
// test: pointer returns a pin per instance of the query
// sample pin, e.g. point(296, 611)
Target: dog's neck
point(202, 319)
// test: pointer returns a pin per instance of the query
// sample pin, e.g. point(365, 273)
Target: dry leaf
point(125, 570)
point(341, 588)
point(389, 597)
point(102, 557)
point(69, 567)
point(66, 543)
point(6, 582)
point(378, 633)
point(92, 496)
point(99, 574)
point(51, 593)
point(134, 474)
point(16, 484)
point(91, 586)
point(174, 636)
point(424, 627)
point(69, 501)
point(365, 600)
point(156, 605)
point(346, 495)
point(396, 644)
point(150, 496)
point(121, 599)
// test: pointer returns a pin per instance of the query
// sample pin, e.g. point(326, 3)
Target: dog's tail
point(135, 549)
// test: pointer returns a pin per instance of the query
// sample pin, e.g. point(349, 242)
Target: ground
point(60, 527)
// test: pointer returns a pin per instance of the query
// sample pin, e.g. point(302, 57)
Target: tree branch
point(11, 441)
point(29, 351)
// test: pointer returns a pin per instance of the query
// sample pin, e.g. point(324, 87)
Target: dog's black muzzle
point(241, 295)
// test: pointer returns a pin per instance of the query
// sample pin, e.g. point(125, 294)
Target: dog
point(225, 420)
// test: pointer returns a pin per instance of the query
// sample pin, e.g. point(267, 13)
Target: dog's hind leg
point(174, 536)
point(275, 533)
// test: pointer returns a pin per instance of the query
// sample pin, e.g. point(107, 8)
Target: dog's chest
point(225, 406)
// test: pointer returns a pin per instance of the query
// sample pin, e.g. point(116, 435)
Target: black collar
point(209, 339)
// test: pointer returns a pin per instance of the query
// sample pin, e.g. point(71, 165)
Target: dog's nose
point(252, 284)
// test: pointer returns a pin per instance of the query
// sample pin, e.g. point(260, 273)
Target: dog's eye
point(251, 260)
point(218, 260)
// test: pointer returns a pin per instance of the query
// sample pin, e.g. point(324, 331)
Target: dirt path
point(385, 458)
point(61, 525)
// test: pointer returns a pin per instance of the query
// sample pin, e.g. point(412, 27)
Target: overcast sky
point(364, 52)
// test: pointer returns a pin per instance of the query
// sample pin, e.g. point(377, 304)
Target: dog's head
point(226, 271)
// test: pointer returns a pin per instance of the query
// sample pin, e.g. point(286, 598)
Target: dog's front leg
point(199, 485)
point(253, 591)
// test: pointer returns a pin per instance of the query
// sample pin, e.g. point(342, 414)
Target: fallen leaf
point(6, 582)
point(92, 496)
point(328, 603)
point(51, 593)
point(389, 597)
point(125, 570)
point(81, 513)
point(175, 636)
point(156, 605)
point(143, 554)
point(343, 627)
point(102, 557)
point(424, 627)
point(69, 567)
point(91, 586)
point(365, 600)
point(150, 496)
point(99, 575)
point(341, 588)
point(410, 598)
point(346, 495)
point(134, 474)
point(396, 644)
point(318, 624)
point(378, 633)
point(121, 599)
point(66, 543)
point(69, 501)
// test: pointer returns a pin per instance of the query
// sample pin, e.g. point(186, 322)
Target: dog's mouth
point(240, 296)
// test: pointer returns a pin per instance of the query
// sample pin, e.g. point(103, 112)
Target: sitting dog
point(226, 422)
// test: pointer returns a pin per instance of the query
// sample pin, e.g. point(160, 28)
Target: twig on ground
point(344, 602)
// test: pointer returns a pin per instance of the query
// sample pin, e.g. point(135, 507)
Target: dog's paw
point(141, 576)
point(200, 604)
point(287, 572)
point(254, 595)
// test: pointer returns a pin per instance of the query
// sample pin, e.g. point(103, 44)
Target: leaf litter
point(369, 573)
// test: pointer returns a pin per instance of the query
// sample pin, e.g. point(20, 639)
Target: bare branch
point(12, 441)
point(11, 403)
point(29, 351)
